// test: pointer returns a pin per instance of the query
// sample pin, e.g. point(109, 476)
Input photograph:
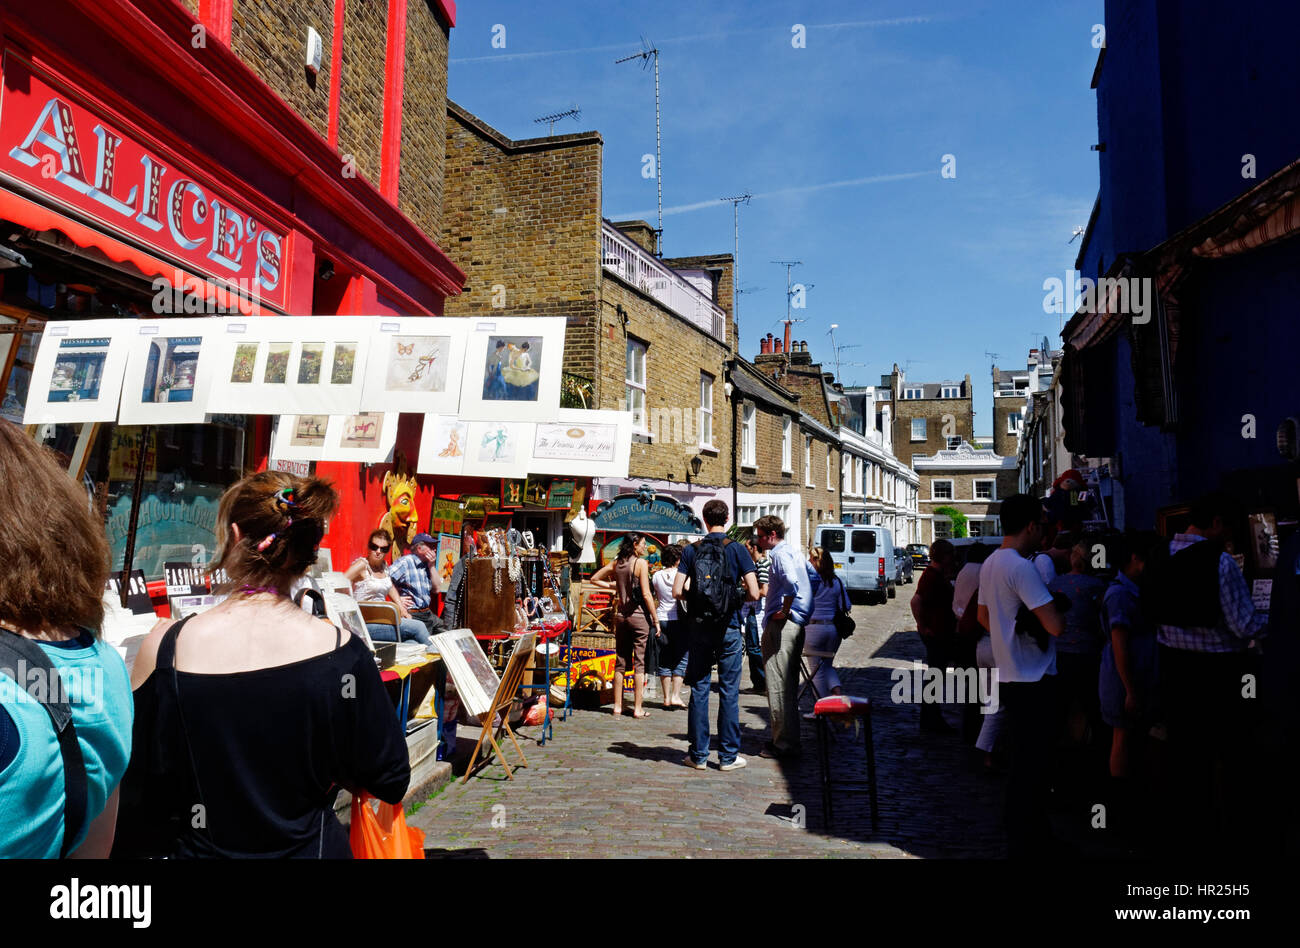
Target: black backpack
point(714, 592)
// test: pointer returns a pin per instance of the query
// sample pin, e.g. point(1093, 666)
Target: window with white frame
point(975, 528)
point(807, 461)
point(706, 410)
point(635, 377)
point(830, 482)
point(941, 490)
point(985, 490)
point(950, 391)
point(1013, 422)
point(942, 528)
point(913, 391)
point(954, 443)
point(749, 436)
point(918, 429)
point(787, 444)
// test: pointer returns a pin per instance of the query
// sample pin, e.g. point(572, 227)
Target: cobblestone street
point(619, 787)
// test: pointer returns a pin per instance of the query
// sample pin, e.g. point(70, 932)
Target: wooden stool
point(843, 707)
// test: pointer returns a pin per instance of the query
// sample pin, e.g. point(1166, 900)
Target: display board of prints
point(512, 369)
point(169, 371)
point(475, 679)
point(416, 365)
point(77, 375)
point(276, 365)
point(443, 445)
point(583, 443)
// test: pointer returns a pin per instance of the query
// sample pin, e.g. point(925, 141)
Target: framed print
point(536, 490)
point(344, 612)
point(583, 444)
point(169, 371)
point(560, 496)
point(299, 437)
point(497, 521)
point(475, 679)
point(448, 555)
point(512, 369)
point(368, 437)
point(512, 492)
point(498, 448)
point(442, 445)
point(446, 515)
point(416, 365)
point(1263, 541)
point(77, 375)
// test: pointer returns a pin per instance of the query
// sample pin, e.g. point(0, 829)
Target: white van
point(863, 555)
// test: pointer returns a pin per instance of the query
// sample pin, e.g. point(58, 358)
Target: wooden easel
point(501, 702)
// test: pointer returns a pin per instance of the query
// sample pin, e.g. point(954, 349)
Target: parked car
point(920, 555)
point(864, 556)
point(902, 566)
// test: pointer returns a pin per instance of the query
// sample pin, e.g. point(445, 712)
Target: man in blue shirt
point(416, 577)
point(716, 641)
point(789, 603)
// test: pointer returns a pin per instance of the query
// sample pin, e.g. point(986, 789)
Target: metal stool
point(842, 707)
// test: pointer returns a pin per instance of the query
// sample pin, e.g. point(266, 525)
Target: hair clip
point(266, 542)
point(284, 498)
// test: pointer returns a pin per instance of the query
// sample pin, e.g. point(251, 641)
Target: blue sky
point(842, 143)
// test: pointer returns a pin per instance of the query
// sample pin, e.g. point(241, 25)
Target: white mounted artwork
point(583, 444)
point(274, 365)
point(498, 448)
point(443, 444)
point(169, 371)
point(300, 437)
point(77, 375)
point(416, 364)
point(475, 679)
point(512, 368)
point(367, 437)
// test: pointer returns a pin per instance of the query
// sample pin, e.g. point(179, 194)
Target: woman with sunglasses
point(370, 583)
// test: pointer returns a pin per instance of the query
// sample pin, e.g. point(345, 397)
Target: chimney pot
point(787, 337)
point(779, 348)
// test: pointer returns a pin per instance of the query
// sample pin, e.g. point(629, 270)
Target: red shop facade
point(132, 161)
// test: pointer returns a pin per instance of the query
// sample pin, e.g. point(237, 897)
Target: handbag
point(844, 624)
point(383, 834)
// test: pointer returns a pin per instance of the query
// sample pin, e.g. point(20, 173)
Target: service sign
point(54, 144)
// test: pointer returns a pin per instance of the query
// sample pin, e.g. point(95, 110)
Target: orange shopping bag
point(383, 835)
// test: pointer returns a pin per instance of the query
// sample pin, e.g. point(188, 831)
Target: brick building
point(878, 488)
point(768, 454)
point(817, 446)
point(972, 480)
point(643, 334)
point(929, 416)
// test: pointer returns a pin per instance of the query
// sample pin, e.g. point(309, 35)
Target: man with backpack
point(717, 569)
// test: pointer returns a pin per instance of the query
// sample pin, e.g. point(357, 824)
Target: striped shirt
point(410, 575)
point(1240, 622)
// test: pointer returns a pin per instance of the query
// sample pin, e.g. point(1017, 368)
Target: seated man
point(416, 577)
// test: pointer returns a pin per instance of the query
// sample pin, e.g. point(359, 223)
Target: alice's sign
point(67, 152)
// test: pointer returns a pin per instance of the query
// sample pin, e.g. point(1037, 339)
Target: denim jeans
point(412, 630)
point(723, 647)
point(754, 649)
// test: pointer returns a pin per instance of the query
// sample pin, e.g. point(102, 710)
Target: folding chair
point(595, 610)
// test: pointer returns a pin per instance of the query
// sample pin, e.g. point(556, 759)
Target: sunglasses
point(379, 549)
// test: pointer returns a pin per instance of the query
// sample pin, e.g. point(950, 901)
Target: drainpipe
point(735, 490)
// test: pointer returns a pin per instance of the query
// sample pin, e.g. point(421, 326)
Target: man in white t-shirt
point(1026, 671)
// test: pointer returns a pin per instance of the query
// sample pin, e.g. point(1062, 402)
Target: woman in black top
point(252, 716)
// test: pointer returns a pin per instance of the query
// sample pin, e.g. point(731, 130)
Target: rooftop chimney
point(787, 337)
point(764, 344)
point(777, 343)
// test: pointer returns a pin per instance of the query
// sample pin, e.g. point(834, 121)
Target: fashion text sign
point(60, 148)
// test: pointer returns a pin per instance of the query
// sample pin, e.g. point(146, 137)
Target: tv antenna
point(1078, 231)
point(838, 349)
point(648, 50)
point(789, 293)
point(736, 201)
point(554, 117)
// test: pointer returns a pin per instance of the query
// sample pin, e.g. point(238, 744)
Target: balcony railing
point(628, 260)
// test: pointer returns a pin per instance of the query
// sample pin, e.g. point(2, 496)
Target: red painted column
point(216, 17)
point(336, 73)
point(390, 152)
